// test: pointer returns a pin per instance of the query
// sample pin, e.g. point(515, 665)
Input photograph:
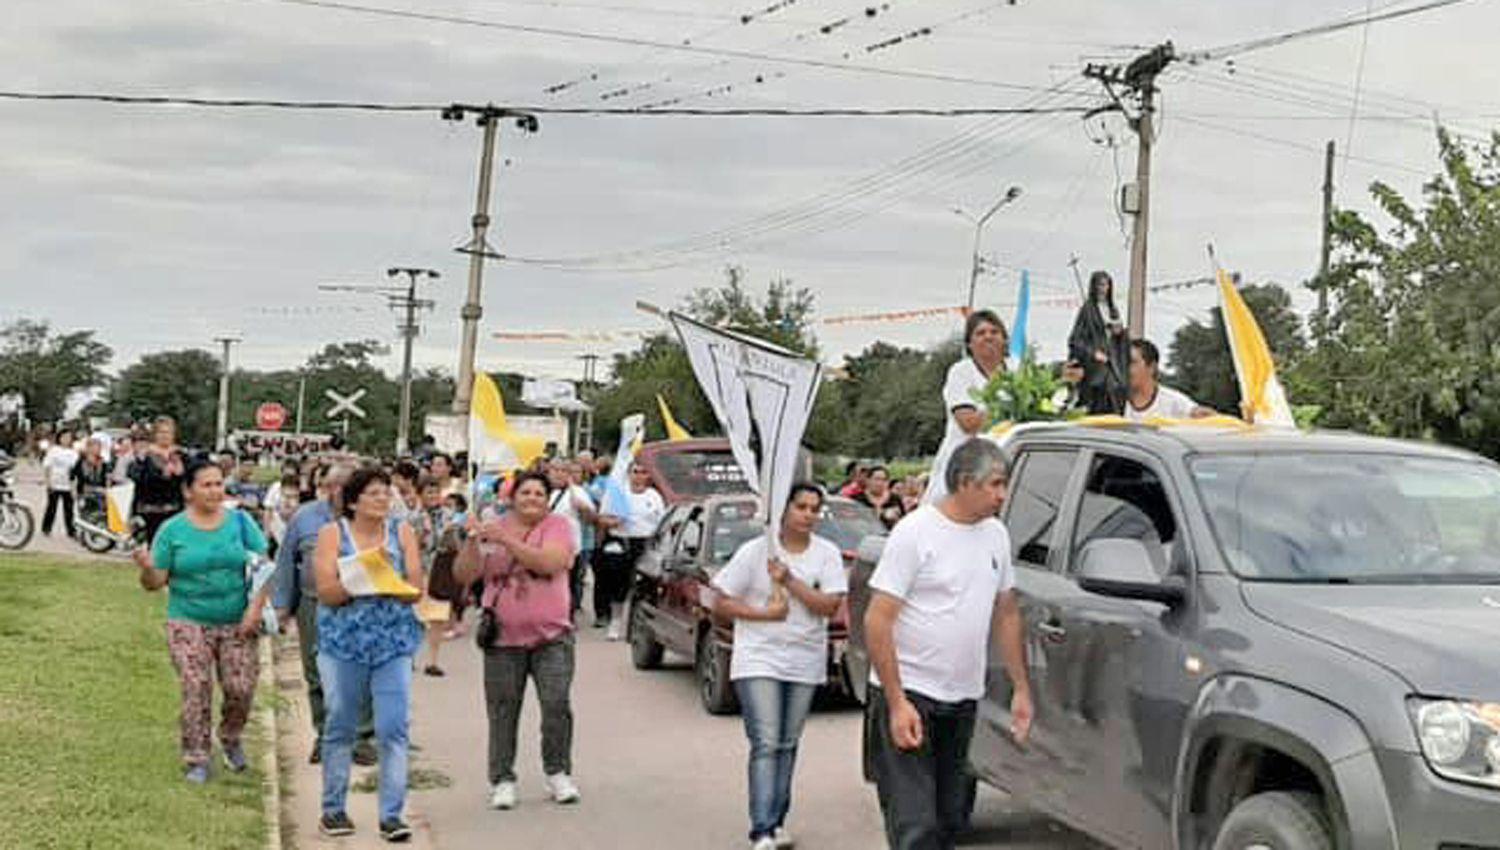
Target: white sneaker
point(764, 843)
point(563, 789)
point(503, 796)
point(616, 621)
point(783, 839)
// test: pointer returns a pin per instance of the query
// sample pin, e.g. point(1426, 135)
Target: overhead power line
point(609, 38)
point(1243, 47)
point(368, 106)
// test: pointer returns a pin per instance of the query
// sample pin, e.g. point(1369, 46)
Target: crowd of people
point(518, 549)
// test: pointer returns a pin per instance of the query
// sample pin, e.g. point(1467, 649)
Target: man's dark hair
point(1150, 354)
point(358, 482)
point(406, 469)
point(982, 317)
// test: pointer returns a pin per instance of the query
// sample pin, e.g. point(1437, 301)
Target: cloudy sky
point(166, 227)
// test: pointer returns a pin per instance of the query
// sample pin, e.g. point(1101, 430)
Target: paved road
point(657, 772)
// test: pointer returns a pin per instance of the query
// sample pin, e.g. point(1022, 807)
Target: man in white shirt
point(1148, 398)
point(571, 502)
point(943, 584)
point(58, 465)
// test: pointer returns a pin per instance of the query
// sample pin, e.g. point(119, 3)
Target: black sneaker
point(336, 825)
point(395, 831)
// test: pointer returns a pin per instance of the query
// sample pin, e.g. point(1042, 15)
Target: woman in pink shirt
point(524, 557)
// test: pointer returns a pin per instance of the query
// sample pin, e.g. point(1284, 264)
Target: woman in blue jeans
point(780, 605)
point(365, 647)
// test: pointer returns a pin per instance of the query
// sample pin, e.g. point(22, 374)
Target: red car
point(671, 598)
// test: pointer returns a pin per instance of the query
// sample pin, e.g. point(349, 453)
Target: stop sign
point(270, 416)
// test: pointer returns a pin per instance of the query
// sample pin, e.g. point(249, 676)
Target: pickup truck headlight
point(1459, 739)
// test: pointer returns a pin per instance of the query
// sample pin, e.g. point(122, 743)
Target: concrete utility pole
point(221, 429)
point(478, 247)
point(1136, 80)
point(404, 300)
point(977, 262)
point(1327, 229)
point(301, 398)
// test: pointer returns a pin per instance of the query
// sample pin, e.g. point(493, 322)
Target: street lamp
point(1010, 195)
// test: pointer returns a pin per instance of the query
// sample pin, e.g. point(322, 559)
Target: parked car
point(1252, 639)
point(670, 606)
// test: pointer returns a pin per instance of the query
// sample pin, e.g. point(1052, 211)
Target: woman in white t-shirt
point(985, 340)
point(781, 608)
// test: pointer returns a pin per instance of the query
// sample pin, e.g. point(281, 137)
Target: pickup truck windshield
point(1354, 518)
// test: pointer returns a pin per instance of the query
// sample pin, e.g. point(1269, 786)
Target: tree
point(1411, 344)
point(45, 368)
point(888, 405)
point(659, 365)
point(181, 384)
point(1201, 365)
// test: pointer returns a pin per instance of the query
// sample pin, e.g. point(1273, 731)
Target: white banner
point(760, 392)
point(548, 393)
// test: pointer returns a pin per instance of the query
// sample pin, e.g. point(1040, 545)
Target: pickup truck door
point(1048, 771)
point(1129, 682)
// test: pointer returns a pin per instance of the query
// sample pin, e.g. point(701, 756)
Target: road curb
point(268, 711)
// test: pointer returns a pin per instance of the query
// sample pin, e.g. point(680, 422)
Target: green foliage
point(1199, 362)
point(1411, 344)
point(1027, 392)
point(45, 368)
point(887, 405)
point(185, 386)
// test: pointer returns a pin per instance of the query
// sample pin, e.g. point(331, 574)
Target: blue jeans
point(345, 686)
point(774, 713)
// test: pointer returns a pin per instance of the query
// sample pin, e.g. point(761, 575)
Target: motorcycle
point(98, 532)
point(17, 524)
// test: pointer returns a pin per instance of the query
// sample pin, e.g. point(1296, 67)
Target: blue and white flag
point(1023, 313)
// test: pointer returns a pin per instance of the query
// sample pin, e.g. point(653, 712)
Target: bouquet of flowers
point(1029, 392)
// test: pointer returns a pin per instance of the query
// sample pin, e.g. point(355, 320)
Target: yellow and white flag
point(675, 432)
point(372, 573)
point(119, 501)
point(1262, 398)
point(492, 443)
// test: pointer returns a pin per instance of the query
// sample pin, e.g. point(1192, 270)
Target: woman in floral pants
point(200, 555)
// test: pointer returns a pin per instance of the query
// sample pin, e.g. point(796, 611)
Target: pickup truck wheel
point(1276, 820)
point(645, 651)
point(712, 667)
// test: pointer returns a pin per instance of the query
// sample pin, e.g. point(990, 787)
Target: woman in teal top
point(200, 556)
point(365, 649)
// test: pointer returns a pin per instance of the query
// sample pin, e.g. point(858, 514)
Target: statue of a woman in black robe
point(1099, 344)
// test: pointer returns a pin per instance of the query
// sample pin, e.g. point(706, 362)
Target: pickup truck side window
point(1036, 495)
point(1124, 499)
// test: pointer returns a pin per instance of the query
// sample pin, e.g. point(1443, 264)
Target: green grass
point(88, 720)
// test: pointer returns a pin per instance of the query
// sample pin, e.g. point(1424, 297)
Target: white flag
point(755, 389)
point(632, 432)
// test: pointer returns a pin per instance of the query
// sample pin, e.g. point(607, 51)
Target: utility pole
point(221, 430)
point(1327, 229)
point(478, 247)
point(1136, 81)
point(404, 300)
point(584, 438)
point(301, 398)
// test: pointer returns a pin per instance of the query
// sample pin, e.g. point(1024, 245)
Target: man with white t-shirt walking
point(943, 585)
point(1148, 398)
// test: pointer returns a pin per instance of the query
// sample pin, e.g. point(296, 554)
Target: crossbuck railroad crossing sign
point(345, 405)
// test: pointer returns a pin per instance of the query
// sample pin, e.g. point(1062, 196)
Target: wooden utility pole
point(1327, 229)
point(1136, 81)
point(478, 247)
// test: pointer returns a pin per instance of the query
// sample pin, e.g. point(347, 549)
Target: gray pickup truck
point(1245, 639)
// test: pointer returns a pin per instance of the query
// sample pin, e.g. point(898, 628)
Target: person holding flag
point(780, 601)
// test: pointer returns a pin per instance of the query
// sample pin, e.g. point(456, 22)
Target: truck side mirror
point(1123, 568)
point(692, 539)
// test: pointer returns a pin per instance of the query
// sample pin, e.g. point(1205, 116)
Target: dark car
point(1252, 639)
point(671, 600)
